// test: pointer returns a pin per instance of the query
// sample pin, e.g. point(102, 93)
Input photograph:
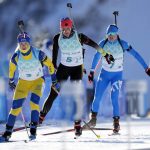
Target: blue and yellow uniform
point(28, 61)
point(30, 80)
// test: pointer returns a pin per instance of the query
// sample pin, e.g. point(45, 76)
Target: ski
point(57, 132)
point(113, 134)
point(22, 128)
point(10, 141)
point(71, 130)
point(30, 140)
point(76, 137)
point(26, 141)
point(15, 130)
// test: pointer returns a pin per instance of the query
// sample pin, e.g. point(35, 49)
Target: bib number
point(69, 59)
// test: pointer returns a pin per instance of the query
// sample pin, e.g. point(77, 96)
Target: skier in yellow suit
point(28, 60)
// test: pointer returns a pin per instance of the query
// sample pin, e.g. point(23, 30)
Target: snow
point(135, 134)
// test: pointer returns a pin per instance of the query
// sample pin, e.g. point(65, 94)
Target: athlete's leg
point(36, 93)
point(62, 74)
point(116, 84)
point(101, 85)
point(76, 74)
point(20, 95)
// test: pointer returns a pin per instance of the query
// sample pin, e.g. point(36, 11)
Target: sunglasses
point(112, 33)
point(66, 29)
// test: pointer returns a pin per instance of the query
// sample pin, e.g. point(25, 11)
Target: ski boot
point(78, 128)
point(33, 127)
point(92, 122)
point(116, 124)
point(41, 117)
point(7, 134)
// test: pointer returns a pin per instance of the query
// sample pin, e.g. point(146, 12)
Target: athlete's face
point(24, 47)
point(112, 37)
point(66, 31)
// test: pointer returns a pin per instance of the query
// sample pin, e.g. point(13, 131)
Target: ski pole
point(98, 136)
point(25, 123)
point(116, 13)
point(69, 6)
point(21, 26)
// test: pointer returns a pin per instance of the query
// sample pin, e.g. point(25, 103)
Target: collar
point(26, 54)
point(71, 34)
point(113, 41)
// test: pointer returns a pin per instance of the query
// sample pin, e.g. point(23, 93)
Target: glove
point(148, 71)
point(12, 84)
point(91, 76)
point(55, 83)
point(109, 58)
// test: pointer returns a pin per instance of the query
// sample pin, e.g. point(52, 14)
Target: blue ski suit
point(112, 73)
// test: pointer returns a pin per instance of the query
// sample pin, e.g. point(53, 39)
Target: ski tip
point(113, 134)
point(98, 136)
point(76, 137)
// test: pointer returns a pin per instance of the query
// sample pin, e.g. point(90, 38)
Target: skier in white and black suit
point(71, 64)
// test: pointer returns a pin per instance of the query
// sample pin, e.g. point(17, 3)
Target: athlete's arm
point(135, 54)
point(97, 56)
point(86, 40)
point(138, 57)
point(13, 65)
point(55, 50)
point(47, 62)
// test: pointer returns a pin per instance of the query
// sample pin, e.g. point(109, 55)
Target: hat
point(112, 29)
point(23, 37)
point(66, 22)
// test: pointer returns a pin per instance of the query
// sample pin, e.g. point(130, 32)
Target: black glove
point(109, 58)
point(91, 76)
point(148, 71)
point(12, 84)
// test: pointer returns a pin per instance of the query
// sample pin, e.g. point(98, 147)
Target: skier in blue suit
point(111, 73)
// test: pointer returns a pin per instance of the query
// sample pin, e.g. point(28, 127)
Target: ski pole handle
point(116, 13)
point(69, 5)
point(21, 26)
